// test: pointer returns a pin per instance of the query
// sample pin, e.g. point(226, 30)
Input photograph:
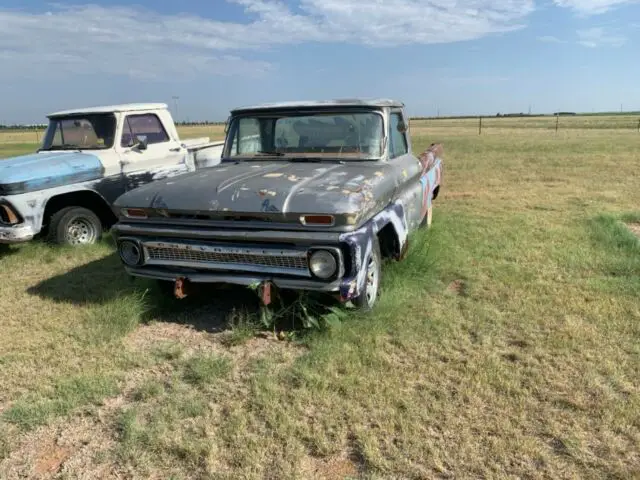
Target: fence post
point(557, 121)
point(639, 125)
point(37, 136)
point(480, 127)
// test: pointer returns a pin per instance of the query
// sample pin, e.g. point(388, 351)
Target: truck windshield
point(344, 135)
point(90, 132)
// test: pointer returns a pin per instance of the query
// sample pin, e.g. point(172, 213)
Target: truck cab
point(88, 158)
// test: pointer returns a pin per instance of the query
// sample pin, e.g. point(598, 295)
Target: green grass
point(201, 371)
point(506, 345)
point(14, 149)
point(67, 395)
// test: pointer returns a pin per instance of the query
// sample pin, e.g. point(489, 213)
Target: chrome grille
point(223, 257)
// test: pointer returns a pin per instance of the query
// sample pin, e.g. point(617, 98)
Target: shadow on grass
point(117, 302)
point(120, 301)
point(7, 250)
point(103, 284)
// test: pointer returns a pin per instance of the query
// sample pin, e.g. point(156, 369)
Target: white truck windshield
point(91, 132)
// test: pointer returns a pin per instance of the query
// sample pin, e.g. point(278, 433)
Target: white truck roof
point(126, 107)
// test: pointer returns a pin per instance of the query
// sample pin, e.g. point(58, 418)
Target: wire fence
point(479, 124)
point(554, 123)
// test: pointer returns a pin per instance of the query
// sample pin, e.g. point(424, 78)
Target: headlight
point(130, 252)
point(323, 264)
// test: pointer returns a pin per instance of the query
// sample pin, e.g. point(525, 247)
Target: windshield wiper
point(275, 154)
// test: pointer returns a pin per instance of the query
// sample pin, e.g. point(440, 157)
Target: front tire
point(369, 294)
point(75, 226)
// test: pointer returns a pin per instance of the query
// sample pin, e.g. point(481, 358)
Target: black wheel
point(75, 226)
point(368, 296)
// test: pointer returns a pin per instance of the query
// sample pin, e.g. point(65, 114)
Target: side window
point(398, 140)
point(146, 125)
point(247, 131)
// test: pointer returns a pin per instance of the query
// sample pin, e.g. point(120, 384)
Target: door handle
point(176, 149)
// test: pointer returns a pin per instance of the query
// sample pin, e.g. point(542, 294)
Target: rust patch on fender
point(428, 157)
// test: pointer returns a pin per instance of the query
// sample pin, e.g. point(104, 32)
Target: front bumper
point(344, 283)
point(245, 280)
point(16, 233)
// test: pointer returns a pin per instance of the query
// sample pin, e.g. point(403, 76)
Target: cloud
point(598, 37)
point(90, 39)
point(592, 7)
point(550, 39)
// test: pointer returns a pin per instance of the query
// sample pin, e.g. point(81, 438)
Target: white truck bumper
point(16, 233)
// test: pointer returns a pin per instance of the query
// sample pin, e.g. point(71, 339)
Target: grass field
point(507, 345)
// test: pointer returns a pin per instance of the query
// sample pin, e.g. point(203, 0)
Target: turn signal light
point(324, 220)
point(134, 212)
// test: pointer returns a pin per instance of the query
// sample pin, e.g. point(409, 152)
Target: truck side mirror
point(141, 143)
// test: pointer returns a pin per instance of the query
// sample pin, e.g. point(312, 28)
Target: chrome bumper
point(16, 233)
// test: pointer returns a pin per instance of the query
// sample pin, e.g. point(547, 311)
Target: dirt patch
point(457, 287)
point(332, 468)
point(192, 341)
point(68, 448)
point(635, 228)
point(262, 346)
point(51, 459)
point(83, 446)
point(150, 336)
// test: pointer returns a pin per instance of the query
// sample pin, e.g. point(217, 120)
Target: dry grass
point(507, 345)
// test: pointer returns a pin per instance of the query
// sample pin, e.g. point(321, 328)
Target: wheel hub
point(80, 232)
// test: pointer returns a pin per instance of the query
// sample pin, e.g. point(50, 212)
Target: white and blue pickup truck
point(88, 158)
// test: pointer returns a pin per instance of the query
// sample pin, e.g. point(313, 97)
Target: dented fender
point(361, 241)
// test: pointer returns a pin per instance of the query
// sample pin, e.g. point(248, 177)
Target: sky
point(447, 57)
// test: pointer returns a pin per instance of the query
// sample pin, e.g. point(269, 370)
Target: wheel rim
point(80, 231)
point(372, 282)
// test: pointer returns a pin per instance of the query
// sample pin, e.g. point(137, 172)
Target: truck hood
point(279, 190)
point(42, 170)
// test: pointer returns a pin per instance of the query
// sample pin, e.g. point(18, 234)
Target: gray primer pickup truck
point(308, 196)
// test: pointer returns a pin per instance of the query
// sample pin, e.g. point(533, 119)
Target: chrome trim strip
point(223, 249)
point(246, 235)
